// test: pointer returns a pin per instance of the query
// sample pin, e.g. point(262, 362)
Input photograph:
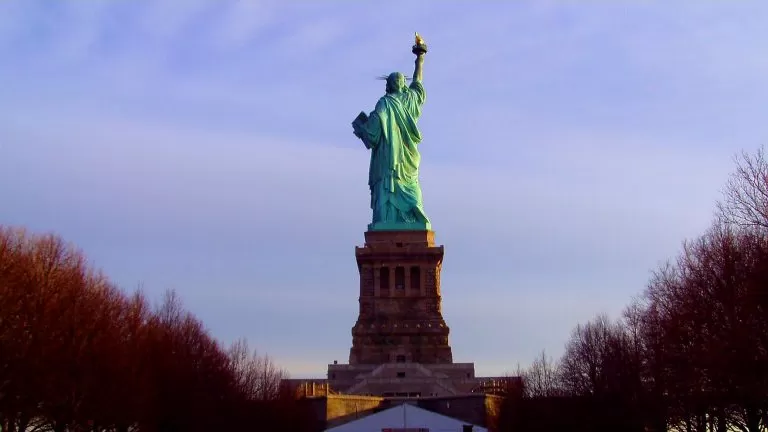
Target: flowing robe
point(392, 135)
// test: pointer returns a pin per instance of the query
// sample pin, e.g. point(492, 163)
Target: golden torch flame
point(419, 40)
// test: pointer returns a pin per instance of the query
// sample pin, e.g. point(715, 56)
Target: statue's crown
point(385, 77)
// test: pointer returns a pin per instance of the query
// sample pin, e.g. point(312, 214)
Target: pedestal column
point(400, 323)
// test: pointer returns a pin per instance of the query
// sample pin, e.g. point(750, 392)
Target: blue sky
point(205, 146)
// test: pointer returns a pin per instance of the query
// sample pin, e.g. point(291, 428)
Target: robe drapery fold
point(392, 134)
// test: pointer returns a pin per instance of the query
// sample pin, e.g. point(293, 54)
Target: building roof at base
point(405, 416)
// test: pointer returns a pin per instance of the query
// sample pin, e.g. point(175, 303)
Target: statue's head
point(395, 82)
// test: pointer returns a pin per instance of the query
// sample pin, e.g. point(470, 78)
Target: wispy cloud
point(314, 37)
point(240, 22)
point(163, 21)
point(12, 18)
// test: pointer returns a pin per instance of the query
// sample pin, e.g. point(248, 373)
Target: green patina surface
point(392, 135)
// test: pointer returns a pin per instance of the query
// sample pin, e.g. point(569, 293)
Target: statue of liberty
point(392, 135)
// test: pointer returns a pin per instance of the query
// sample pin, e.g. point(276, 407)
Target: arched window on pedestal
point(415, 278)
point(399, 278)
point(384, 281)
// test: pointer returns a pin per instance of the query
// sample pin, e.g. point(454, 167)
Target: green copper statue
point(392, 135)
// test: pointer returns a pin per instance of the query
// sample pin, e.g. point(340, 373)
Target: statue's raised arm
point(392, 135)
point(420, 48)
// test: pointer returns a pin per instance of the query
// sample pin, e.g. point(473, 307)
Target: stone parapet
point(399, 238)
point(414, 379)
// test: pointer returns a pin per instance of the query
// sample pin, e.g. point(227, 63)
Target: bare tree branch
point(745, 197)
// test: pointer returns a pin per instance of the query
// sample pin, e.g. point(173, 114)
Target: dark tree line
point(78, 354)
point(690, 354)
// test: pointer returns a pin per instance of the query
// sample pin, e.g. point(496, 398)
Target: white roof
point(405, 416)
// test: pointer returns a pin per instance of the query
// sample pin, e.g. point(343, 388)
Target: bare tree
point(745, 197)
point(692, 353)
point(712, 331)
point(542, 378)
point(583, 365)
point(257, 377)
point(76, 354)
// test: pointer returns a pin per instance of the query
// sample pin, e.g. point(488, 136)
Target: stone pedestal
point(400, 319)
